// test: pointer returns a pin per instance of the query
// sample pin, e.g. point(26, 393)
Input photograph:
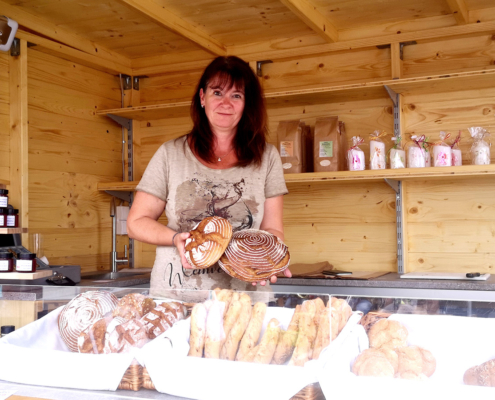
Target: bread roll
point(162, 318)
point(229, 349)
point(128, 335)
point(208, 241)
point(388, 333)
point(376, 362)
point(198, 330)
point(288, 339)
point(268, 343)
point(134, 305)
point(214, 330)
point(414, 360)
point(254, 255)
point(81, 312)
point(481, 375)
point(307, 334)
point(253, 331)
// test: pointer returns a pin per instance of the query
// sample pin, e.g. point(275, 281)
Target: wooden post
point(19, 168)
point(396, 60)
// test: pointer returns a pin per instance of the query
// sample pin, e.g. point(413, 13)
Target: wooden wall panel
point(70, 151)
point(178, 86)
point(4, 118)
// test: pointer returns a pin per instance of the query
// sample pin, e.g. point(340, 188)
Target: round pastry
point(134, 305)
point(254, 255)
point(415, 361)
point(208, 241)
point(481, 375)
point(81, 312)
point(376, 362)
point(388, 333)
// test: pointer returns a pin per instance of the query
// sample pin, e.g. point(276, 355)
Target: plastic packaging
point(355, 156)
point(456, 151)
point(416, 152)
point(397, 154)
point(480, 150)
point(377, 150)
point(442, 152)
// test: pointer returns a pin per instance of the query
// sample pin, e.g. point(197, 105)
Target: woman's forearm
point(147, 230)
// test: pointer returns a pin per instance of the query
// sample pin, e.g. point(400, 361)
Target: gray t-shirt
point(192, 192)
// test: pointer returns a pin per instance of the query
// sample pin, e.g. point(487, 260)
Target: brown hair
point(250, 139)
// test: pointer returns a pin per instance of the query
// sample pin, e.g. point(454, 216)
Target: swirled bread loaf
point(254, 255)
point(207, 242)
point(81, 312)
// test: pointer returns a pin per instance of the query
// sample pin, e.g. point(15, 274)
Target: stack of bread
point(229, 328)
point(390, 356)
point(250, 255)
point(98, 323)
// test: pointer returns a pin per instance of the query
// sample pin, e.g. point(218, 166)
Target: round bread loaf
point(481, 375)
point(81, 312)
point(208, 241)
point(415, 361)
point(376, 362)
point(388, 333)
point(254, 255)
point(134, 305)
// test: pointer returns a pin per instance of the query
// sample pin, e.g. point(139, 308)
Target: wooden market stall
point(60, 151)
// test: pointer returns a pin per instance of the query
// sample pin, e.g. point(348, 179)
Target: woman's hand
point(273, 279)
point(179, 241)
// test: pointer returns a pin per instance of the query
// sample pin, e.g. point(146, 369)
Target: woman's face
point(223, 107)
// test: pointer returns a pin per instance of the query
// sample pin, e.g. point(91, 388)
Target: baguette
point(323, 334)
point(214, 329)
point(288, 339)
point(306, 336)
point(268, 343)
point(198, 330)
point(225, 295)
point(249, 357)
point(253, 331)
point(230, 318)
point(229, 349)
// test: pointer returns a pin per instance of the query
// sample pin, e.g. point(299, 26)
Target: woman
point(223, 167)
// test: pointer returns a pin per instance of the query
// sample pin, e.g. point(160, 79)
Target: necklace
point(220, 157)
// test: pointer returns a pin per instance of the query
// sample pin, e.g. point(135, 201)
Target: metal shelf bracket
point(396, 185)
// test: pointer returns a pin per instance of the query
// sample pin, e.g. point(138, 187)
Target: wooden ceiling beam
point(61, 35)
point(460, 11)
point(171, 21)
point(308, 13)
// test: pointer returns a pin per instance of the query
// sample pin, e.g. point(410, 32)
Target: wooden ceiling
point(142, 34)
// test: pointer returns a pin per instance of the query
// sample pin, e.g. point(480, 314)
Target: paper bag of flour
point(290, 136)
point(329, 145)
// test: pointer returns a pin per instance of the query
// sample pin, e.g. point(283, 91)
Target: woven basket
point(137, 377)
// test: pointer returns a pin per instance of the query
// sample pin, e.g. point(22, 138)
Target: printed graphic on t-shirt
point(199, 197)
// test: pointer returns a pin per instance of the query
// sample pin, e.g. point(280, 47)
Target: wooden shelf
point(357, 176)
point(4, 183)
point(359, 91)
point(13, 230)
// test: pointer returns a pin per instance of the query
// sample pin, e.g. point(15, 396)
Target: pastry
point(253, 331)
point(208, 241)
point(81, 312)
point(124, 337)
point(134, 305)
point(288, 339)
point(254, 255)
point(481, 375)
point(376, 362)
point(162, 318)
point(414, 361)
point(388, 333)
point(198, 330)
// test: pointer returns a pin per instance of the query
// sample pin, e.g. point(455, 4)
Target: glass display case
point(319, 344)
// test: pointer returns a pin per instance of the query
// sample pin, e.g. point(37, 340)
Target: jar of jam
point(3, 217)
point(6, 262)
point(4, 198)
point(6, 329)
point(12, 218)
point(25, 262)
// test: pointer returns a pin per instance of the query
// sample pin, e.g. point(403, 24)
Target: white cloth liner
point(197, 378)
point(36, 355)
point(458, 343)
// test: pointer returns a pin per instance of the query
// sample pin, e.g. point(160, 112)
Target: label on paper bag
point(325, 163)
point(287, 165)
point(326, 149)
point(4, 265)
point(287, 149)
point(24, 265)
